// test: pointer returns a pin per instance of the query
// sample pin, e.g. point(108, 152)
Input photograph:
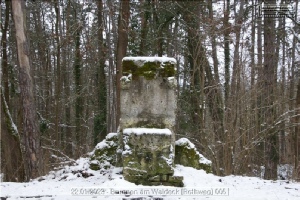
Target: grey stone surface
point(148, 113)
point(148, 153)
point(148, 94)
point(186, 154)
point(148, 103)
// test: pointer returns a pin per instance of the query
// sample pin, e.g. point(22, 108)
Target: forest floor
point(80, 182)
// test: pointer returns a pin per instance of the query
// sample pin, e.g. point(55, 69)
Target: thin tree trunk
point(269, 85)
point(227, 30)
point(121, 48)
point(58, 73)
point(4, 61)
point(78, 91)
point(30, 135)
point(252, 53)
point(6, 126)
point(66, 59)
point(214, 44)
point(144, 27)
point(100, 128)
point(296, 134)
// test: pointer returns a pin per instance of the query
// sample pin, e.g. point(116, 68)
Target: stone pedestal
point(148, 93)
point(148, 113)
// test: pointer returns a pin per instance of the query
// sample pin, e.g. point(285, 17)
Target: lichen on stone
point(186, 154)
point(104, 154)
point(148, 69)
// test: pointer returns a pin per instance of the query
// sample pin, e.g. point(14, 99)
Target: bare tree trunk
point(4, 61)
point(79, 135)
point(296, 135)
point(12, 165)
point(30, 135)
point(214, 44)
point(121, 47)
point(196, 70)
point(58, 74)
point(69, 135)
point(269, 85)
point(144, 27)
point(258, 158)
point(110, 40)
point(100, 125)
point(227, 30)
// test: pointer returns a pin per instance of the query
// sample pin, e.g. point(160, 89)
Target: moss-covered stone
point(148, 157)
point(167, 70)
point(148, 69)
point(186, 154)
point(104, 154)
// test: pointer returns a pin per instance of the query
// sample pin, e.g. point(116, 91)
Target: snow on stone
point(203, 159)
point(141, 131)
point(126, 79)
point(185, 141)
point(111, 135)
point(101, 145)
point(127, 150)
point(151, 59)
point(104, 144)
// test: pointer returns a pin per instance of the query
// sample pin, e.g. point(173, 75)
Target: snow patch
point(53, 186)
point(101, 145)
point(141, 131)
point(150, 59)
point(111, 135)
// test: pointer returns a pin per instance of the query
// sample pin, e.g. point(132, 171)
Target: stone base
point(186, 154)
point(148, 157)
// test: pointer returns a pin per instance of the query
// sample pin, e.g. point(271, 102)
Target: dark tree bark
point(30, 134)
point(144, 27)
point(4, 61)
point(122, 44)
point(100, 125)
point(296, 135)
point(227, 30)
point(12, 164)
point(58, 73)
point(269, 85)
point(190, 13)
point(66, 80)
point(79, 135)
point(213, 43)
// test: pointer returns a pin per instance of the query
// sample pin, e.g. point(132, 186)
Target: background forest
point(237, 73)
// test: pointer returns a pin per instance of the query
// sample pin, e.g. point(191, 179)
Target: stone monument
point(148, 112)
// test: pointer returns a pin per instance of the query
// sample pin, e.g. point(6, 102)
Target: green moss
point(189, 157)
point(106, 156)
point(168, 70)
point(94, 166)
point(129, 67)
point(148, 70)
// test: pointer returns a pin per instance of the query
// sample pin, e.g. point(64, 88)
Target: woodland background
point(238, 79)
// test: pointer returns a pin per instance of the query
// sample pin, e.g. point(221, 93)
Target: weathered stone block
point(148, 94)
point(104, 154)
point(186, 154)
point(148, 152)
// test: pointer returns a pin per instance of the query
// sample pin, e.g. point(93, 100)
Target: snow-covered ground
point(80, 182)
